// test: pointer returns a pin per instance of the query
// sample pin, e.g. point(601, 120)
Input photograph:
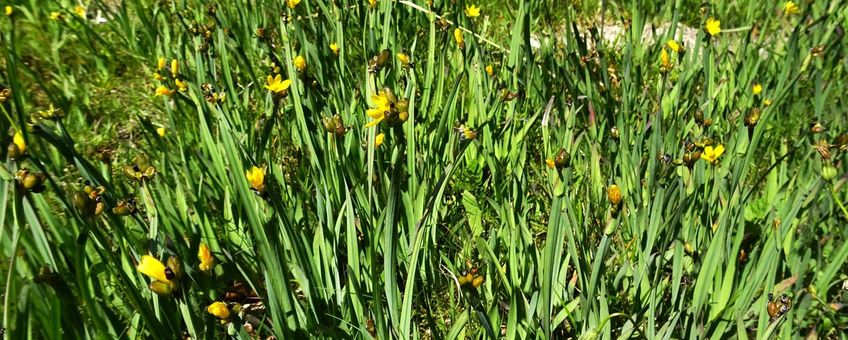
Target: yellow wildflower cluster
point(166, 75)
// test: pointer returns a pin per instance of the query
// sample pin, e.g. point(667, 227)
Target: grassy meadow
point(423, 169)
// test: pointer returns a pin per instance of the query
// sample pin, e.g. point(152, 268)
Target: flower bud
point(828, 172)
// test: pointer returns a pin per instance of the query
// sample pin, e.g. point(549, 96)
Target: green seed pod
point(131, 171)
point(174, 270)
point(380, 60)
point(329, 124)
point(403, 105)
point(33, 180)
point(340, 128)
point(699, 117)
point(83, 203)
point(828, 172)
point(390, 96)
point(98, 208)
point(14, 152)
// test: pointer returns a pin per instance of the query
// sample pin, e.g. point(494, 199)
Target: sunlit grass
point(406, 169)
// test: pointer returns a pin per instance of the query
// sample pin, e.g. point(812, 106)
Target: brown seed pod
point(772, 307)
point(841, 142)
point(380, 60)
point(823, 149)
point(563, 159)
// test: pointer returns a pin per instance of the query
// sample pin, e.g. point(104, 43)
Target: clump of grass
point(408, 169)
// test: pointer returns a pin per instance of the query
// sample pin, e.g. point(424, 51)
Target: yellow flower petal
point(374, 122)
point(207, 261)
point(790, 8)
point(299, 63)
point(18, 140)
point(472, 11)
point(256, 178)
point(219, 309)
point(457, 35)
point(153, 268)
point(378, 140)
point(673, 45)
point(713, 26)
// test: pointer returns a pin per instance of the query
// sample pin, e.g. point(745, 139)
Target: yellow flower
point(80, 11)
point(181, 85)
point(673, 45)
point(381, 106)
point(19, 141)
point(292, 3)
point(757, 88)
point(161, 131)
point(713, 26)
point(335, 48)
point(472, 11)
point(175, 67)
point(300, 63)
point(790, 8)
point(151, 267)
point(219, 309)
point(403, 58)
point(372, 3)
point(160, 65)
point(614, 194)
point(664, 58)
point(550, 162)
point(55, 15)
point(163, 91)
point(277, 84)
point(711, 154)
point(256, 178)
point(9, 10)
point(378, 140)
point(489, 70)
point(207, 261)
point(457, 34)
point(767, 102)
